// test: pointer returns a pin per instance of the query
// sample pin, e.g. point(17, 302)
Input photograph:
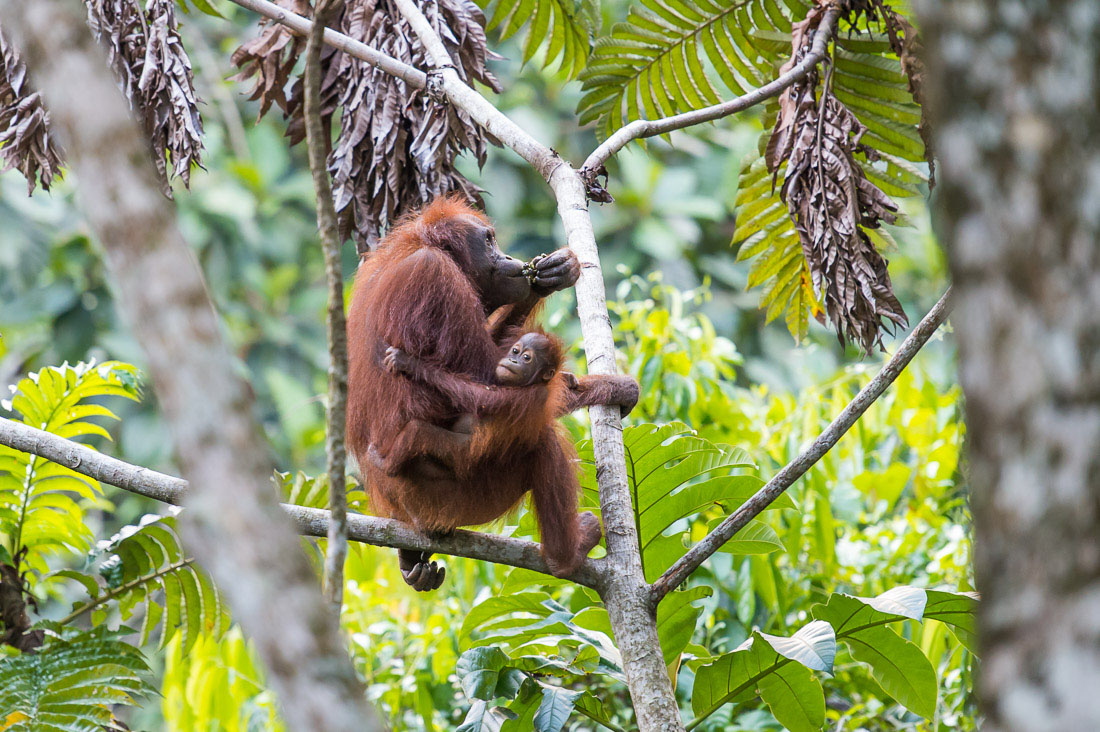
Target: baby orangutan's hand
point(397, 361)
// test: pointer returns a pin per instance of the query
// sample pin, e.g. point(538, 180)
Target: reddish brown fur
point(412, 293)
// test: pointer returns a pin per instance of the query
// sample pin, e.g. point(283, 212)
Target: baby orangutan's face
point(527, 362)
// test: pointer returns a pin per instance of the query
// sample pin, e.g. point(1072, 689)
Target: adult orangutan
point(439, 289)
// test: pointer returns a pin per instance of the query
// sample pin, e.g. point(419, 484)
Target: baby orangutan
point(531, 362)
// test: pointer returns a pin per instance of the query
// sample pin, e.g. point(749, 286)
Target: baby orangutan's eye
point(514, 350)
point(527, 357)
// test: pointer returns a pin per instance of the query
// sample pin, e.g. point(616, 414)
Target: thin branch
point(308, 521)
point(122, 589)
point(357, 49)
point(317, 143)
point(795, 469)
point(640, 128)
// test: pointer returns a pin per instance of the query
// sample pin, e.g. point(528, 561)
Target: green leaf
point(774, 665)
point(72, 681)
point(958, 611)
point(484, 674)
point(795, 697)
point(557, 705)
point(564, 27)
point(898, 666)
point(755, 538)
point(42, 504)
point(140, 560)
point(676, 619)
point(674, 475)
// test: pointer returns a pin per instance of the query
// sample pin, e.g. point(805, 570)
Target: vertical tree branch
point(317, 141)
point(625, 592)
point(240, 535)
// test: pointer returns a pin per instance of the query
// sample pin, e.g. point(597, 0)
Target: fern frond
point(71, 682)
point(564, 27)
point(42, 503)
point(145, 566)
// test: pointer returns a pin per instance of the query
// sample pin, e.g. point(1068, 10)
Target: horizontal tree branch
point(795, 469)
point(640, 128)
point(308, 521)
point(357, 49)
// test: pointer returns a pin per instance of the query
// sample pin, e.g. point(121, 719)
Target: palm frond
point(42, 503)
point(145, 566)
point(71, 682)
point(564, 27)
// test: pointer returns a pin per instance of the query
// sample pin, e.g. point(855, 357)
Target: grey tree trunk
point(1015, 90)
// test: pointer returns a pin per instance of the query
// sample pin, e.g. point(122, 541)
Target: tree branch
point(640, 128)
point(317, 144)
point(308, 521)
point(241, 537)
point(356, 49)
point(795, 469)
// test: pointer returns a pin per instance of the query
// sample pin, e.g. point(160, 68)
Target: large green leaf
point(42, 503)
point(676, 618)
point(898, 666)
point(958, 611)
point(485, 674)
point(655, 63)
point(779, 668)
point(675, 475)
point(534, 624)
point(71, 682)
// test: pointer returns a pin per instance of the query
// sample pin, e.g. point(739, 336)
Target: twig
point(317, 142)
point(308, 521)
point(122, 589)
point(795, 469)
point(640, 128)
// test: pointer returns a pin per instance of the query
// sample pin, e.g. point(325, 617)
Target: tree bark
point(240, 535)
point(1014, 101)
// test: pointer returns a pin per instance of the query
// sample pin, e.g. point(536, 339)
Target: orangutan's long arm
point(469, 396)
point(602, 389)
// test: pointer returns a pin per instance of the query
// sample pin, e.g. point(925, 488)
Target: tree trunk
point(1015, 90)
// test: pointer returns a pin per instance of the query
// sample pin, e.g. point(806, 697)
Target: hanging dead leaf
point(396, 147)
point(831, 202)
point(25, 141)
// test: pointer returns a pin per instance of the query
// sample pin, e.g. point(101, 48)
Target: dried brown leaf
point(154, 72)
point(831, 202)
point(396, 146)
point(25, 141)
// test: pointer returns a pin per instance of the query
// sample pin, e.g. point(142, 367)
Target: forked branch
point(640, 128)
point(795, 469)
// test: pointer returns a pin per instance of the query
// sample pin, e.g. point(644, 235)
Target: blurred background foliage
point(887, 507)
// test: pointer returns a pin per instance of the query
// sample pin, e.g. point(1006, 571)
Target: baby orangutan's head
point(533, 359)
